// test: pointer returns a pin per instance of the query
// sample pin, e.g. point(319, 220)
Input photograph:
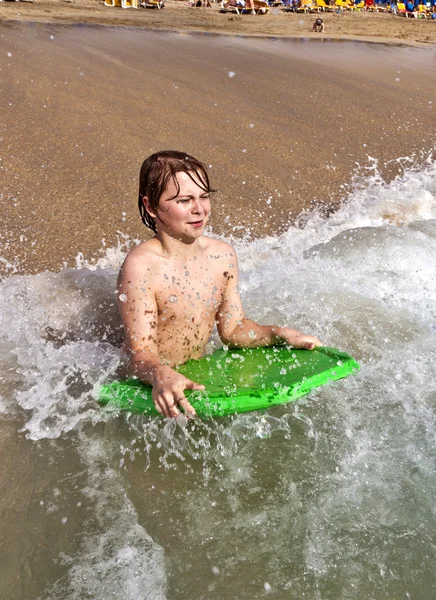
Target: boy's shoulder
point(218, 246)
point(144, 254)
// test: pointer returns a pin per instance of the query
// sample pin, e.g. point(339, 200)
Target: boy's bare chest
point(190, 294)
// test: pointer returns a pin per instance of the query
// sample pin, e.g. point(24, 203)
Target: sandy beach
point(177, 16)
point(286, 124)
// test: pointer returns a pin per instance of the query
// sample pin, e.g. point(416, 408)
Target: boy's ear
point(148, 208)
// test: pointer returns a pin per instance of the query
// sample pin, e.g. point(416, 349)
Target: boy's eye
point(183, 201)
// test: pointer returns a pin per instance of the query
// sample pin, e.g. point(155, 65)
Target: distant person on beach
point(174, 287)
point(318, 26)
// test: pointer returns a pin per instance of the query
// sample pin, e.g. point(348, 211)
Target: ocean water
point(332, 497)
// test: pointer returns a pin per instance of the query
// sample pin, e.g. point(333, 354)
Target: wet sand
point(83, 106)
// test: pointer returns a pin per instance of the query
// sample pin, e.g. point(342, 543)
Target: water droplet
point(231, 74)
point(172, 299)
point(215, 571)
point(252, 334)
point(122, 297)
point(52, 37)
point(251, 125)
point(9, 54)
point(267, 587)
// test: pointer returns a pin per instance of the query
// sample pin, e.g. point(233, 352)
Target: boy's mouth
point(196, 223)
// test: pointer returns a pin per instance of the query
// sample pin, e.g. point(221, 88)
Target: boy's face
point(185, 216)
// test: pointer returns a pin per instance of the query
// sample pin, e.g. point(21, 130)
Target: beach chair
point(231, 7)
point(358, 5)
point(342, 5)
point(410, 9)
point(323, 6)
point(261, 7)
point(306, 6)
point(122, 3)
point(290, 5)
point(152, 4)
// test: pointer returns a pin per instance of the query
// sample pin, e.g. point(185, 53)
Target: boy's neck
point(174, 247)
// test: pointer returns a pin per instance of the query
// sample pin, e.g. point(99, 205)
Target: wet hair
point(156, 172)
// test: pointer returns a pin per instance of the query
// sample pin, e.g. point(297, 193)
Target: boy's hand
point(297, 339)
point(168, 392)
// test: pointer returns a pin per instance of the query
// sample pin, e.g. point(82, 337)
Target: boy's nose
point(196, 207)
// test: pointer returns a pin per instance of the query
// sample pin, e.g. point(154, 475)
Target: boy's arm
point(138, 310)
point(236, 330)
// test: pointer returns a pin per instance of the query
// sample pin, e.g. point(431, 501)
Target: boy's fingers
point(166, 406)
point(158, 407)
point(191, 385)
point(312, 345)
point(172, 408)
point(187, 408)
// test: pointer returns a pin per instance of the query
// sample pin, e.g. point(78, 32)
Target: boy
point(174, 287)
point(319, 26)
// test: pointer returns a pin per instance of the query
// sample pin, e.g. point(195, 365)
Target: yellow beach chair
point(342, 5)
point(401, 8)
point(306, 6)
point(122, 3)
point(323, 6)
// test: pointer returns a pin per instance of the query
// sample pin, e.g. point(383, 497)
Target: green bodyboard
point(240, 381)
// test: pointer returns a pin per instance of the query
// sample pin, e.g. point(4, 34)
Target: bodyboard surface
point(240, 380)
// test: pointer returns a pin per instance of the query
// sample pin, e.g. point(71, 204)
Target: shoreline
point(176, 17)
point(253, 36)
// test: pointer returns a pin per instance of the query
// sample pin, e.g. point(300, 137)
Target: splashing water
point(331, 497)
